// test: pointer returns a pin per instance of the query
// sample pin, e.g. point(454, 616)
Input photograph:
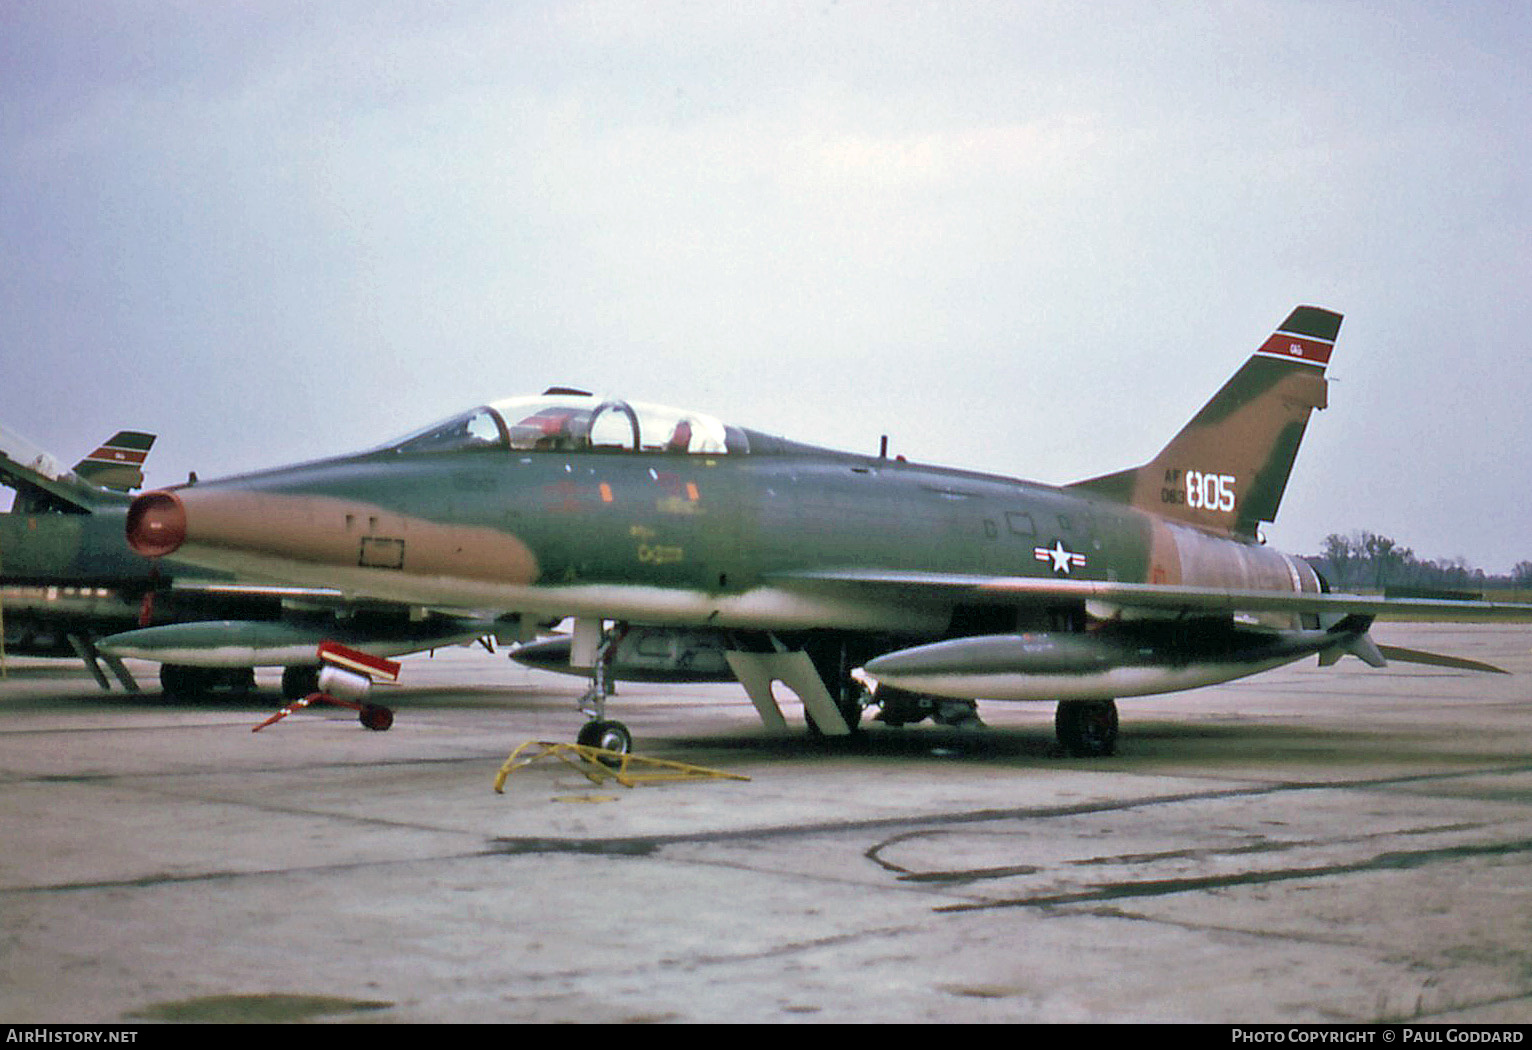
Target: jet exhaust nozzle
point(156, 524)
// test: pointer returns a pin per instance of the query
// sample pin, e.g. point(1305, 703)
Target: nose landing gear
point(605, 733)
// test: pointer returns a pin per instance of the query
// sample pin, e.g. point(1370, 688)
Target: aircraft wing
point(946, 588)
point(260, 590)
point(326, 598)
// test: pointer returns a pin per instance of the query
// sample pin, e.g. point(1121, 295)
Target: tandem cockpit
point(566, 420)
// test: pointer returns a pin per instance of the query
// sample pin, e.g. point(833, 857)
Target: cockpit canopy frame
point(569, 421)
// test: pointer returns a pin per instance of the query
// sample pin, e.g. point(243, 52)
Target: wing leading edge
point(949, 588)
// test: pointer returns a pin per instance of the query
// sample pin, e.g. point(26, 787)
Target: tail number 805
point(1210, 491)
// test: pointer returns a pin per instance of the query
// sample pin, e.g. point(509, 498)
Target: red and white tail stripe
point(1291, 346)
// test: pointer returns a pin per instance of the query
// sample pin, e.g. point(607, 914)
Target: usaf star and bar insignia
point(1062, 557)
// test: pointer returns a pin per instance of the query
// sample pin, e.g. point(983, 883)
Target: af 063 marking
point(1210, 491)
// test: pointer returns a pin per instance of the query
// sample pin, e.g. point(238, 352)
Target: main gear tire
point(1087, 728)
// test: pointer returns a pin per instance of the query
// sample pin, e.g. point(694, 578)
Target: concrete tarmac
point(1313, 845)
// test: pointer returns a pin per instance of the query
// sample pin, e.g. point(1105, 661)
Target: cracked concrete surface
point(1338, 844)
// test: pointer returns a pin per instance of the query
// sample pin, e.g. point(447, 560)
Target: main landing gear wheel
point(607, 735)
point(1087, 728)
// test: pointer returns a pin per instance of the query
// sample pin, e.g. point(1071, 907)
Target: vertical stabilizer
point(1226, 470)
point(119, 463)
point(44, 484)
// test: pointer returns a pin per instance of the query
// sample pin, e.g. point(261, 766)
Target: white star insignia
point(1062, 558)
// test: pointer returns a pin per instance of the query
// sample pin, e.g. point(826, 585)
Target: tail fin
point(1226, 470)
point(118, 463)
point(44, 484)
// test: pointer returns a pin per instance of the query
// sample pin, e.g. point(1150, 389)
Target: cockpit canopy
point(571, 421)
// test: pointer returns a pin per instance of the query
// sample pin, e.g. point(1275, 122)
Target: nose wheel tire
point(607, 735)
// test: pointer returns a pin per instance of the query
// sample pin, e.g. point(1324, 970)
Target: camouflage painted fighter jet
point(70, 586)
point(61, 560)
point(684, 547)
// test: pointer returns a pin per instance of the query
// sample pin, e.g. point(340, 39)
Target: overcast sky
point(1029, 238)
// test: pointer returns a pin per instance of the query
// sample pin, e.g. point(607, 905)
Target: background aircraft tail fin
point(43, 483)
point(119, 463)
point(1227, 469)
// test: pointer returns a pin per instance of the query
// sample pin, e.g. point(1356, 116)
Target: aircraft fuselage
point(810, 563)
point(686, 539)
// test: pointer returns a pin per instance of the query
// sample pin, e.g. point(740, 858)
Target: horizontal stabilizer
point(1418, 656)
point(1374, 655)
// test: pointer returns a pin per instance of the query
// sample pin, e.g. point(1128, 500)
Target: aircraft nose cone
point(156, 524)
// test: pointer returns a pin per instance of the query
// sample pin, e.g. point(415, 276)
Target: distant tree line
point(1369, 560)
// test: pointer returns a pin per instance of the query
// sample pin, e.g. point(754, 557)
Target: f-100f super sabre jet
point(685, 548)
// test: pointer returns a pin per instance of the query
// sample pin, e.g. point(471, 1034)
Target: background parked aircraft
point(71, 586)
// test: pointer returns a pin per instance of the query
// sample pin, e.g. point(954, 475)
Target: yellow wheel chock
point(599, 765)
